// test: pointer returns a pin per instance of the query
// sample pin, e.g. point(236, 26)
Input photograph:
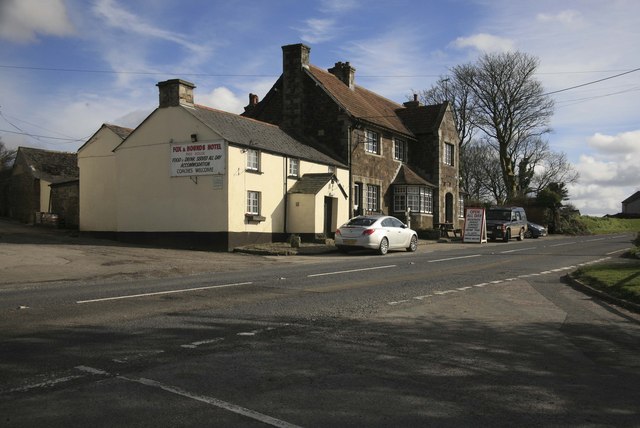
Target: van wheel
point(521, 235)
point(507, 235)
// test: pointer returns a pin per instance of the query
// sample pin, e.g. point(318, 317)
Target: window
point(371, 142)
point(400, 150)
point(253, 202)
point(418, 198)
point(253, 160)
point(294, 167)
point(448, 154)
point(373, 197)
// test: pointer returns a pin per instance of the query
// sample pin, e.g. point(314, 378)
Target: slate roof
point(50, 165)
point(120, 131)
point(360, 102)
point(254, 134)
point(311, 184)
point(423, 119)
point(632, 198)
point(406, 175)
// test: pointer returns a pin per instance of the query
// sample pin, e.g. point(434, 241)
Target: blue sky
point(66, 67)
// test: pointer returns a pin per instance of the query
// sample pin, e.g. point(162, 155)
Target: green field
point(600, 225)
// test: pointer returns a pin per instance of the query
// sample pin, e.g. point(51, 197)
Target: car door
point(395, 231)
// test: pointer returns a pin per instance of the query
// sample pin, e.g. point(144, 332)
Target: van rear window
point(499, 215)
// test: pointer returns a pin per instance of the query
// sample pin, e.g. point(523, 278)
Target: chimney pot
point(344, 72)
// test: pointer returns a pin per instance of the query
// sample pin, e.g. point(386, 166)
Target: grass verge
point(619, 278)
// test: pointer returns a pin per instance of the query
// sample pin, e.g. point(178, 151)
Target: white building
point(197, 177)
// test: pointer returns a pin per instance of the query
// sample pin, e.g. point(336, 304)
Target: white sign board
point(475, 226)
point(199, 158)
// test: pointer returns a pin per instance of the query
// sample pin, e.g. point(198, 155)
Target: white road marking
point(454, 258)
point(91, 370)
point(519, 249)
point(350, 271)
point(194, 345)
point(596, 239)
point(618, 251)
point(158, 293)
point(214, 402)
point(45, 384)
point(498, 281)
point(564, 243)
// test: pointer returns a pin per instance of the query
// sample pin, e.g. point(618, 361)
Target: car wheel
point(413, 245)
point(384, 247)
point(521, 235)
point(507, 235)
point(528, 234)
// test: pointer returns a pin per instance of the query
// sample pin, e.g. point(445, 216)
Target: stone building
point(33, 172)
point(399, 155)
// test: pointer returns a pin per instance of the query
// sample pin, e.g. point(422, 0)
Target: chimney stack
point(295, 58)
point(176, 92)
point(344, 72)
point(412, 104)
point(253, 102)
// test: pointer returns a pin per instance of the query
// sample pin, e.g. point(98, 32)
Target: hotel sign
point(199, 158)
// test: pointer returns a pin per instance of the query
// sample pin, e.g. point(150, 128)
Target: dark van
point(506, 223)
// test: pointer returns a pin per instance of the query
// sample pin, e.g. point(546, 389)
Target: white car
point(376, 232)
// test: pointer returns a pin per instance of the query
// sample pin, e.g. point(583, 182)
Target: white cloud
point(625, 145)
point(485, 43)
point(566, 17)
point(123, 20)
point(317, 30)
point(222, 98)
point(22, 20)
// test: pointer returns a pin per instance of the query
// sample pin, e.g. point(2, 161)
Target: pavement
point(31, 254)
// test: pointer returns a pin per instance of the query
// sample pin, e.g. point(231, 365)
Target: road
point(485, 335)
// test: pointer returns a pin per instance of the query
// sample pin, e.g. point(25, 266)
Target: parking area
point(36, 254)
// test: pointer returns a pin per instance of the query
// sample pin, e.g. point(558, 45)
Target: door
point(448, 208)
point(328, 217)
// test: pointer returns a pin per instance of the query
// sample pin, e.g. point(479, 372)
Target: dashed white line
point(158, 293)
point(564, 243)
point(519, 249)
point(194, 345)
point(350, 271)
point(91, 370)
point(454, 258)
point(498, 281)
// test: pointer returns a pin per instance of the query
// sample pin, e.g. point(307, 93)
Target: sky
point(68, 66)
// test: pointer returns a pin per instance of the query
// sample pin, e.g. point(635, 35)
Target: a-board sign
point(475, 226)
point(198, 158)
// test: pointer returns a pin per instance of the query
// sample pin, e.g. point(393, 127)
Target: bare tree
point(510, 108)
point(6, 156)
point(458, 94)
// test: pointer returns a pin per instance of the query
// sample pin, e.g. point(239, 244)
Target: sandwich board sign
point(475, 226)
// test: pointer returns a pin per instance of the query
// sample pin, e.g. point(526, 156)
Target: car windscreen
point(499, 215)
point(361, 221)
